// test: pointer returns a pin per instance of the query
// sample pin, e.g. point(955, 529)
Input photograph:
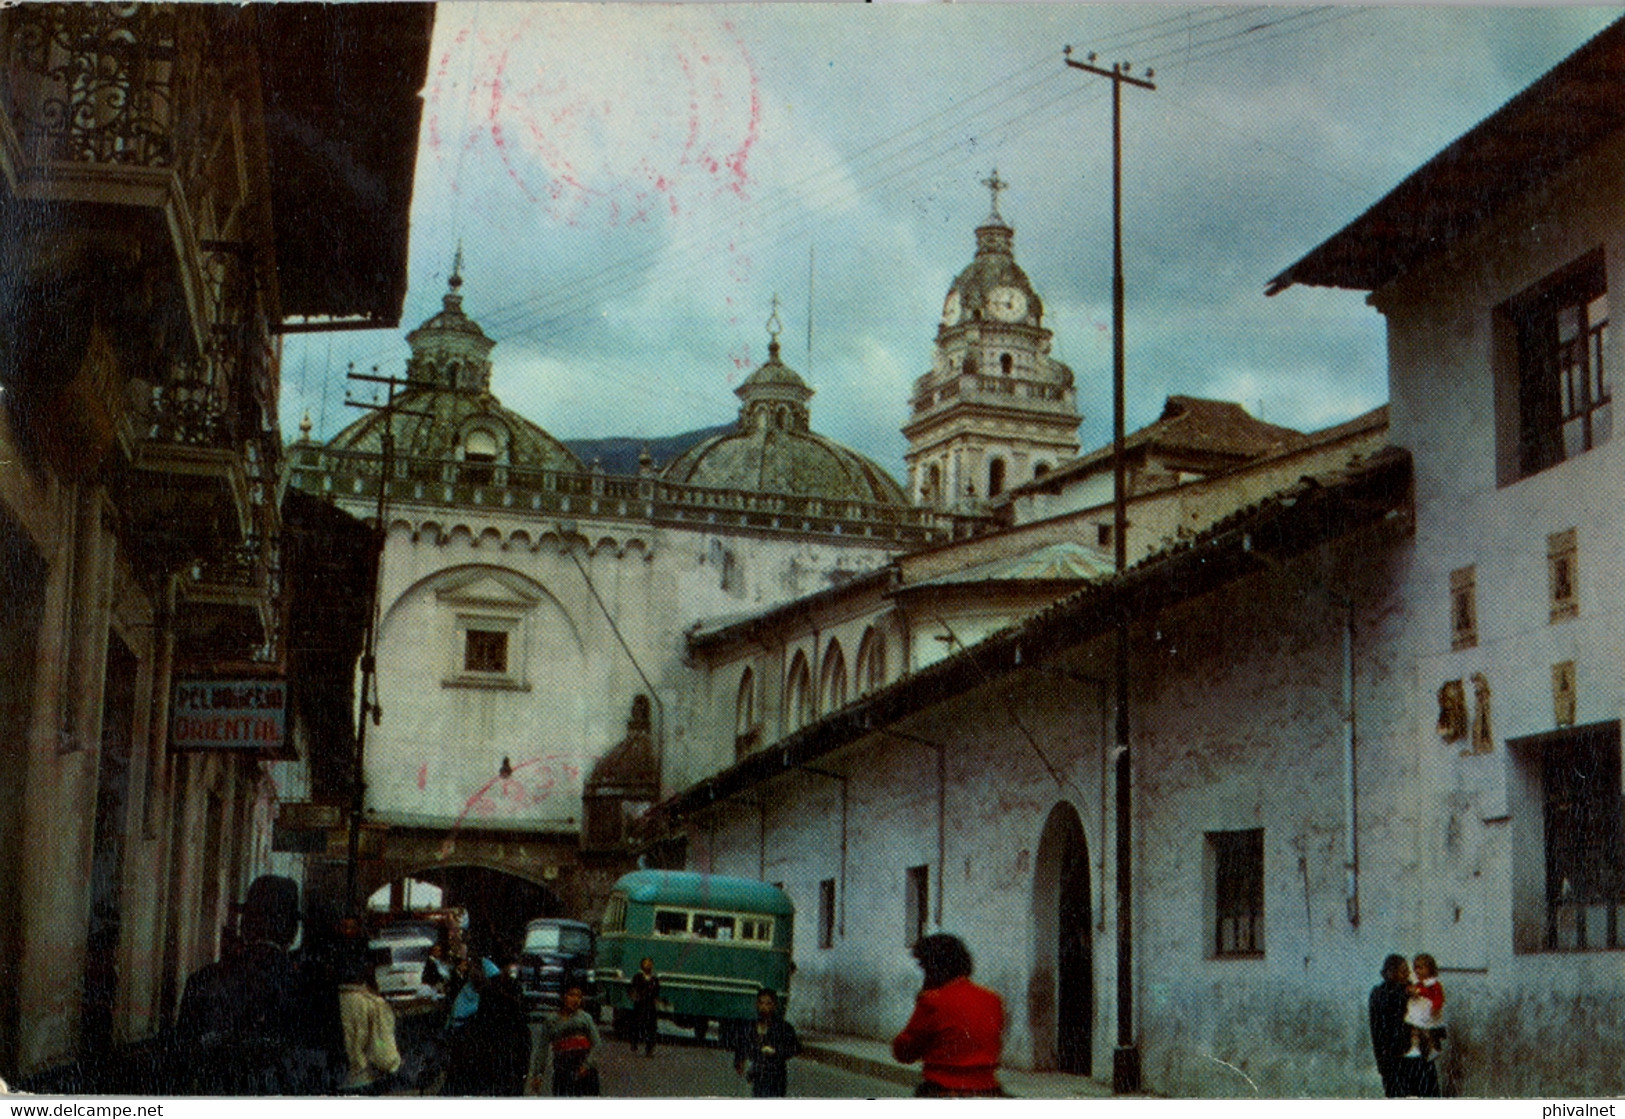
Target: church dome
point(772, 449)
point(993, 288)
point(447, 410)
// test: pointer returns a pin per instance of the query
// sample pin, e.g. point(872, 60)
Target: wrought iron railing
point(92, 83)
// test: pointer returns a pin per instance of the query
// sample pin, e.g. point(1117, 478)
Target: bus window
point(713, 926)
point(671, 922)
point(615, 913)
point(756, 928)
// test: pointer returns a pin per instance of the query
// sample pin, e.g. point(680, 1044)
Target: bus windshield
point(553, 938)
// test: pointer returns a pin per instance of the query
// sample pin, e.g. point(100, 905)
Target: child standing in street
point(570, 1043)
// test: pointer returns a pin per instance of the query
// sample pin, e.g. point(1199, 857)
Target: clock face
point(1007, 304)
point(950, 309)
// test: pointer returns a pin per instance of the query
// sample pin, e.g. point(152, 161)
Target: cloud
point(632, 184)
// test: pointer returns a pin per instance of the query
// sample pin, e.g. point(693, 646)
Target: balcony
point(230, 603)
point(998, 391)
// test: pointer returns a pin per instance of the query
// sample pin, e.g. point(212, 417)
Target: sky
point(631, 186)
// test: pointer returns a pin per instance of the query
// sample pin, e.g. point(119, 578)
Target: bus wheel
point(702, 1026)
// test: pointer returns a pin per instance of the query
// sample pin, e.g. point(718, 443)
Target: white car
point(399, 967)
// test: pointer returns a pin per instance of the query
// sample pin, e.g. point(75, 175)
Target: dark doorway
point(107, 853)
point(22, 596)
point(1065, 948)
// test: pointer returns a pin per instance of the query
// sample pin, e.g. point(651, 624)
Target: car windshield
point(557, 938)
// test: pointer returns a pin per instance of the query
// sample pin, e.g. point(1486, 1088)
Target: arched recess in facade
point(1061, 991)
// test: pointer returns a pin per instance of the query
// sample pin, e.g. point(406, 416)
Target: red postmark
point(599, 117)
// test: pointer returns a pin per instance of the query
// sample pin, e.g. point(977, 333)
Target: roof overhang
point(1305, 515)
point(1574, 106)
point(341, 86)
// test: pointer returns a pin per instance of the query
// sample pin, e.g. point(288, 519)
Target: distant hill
point(618, 454)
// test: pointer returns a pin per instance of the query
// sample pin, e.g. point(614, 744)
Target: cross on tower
point(774, 326)
point(995, 184)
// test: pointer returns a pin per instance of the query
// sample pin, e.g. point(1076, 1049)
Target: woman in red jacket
point(957, 1027)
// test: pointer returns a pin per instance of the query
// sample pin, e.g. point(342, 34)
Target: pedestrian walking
point(490, 1050)
point(645, 995)
point(763, 1051)
point(248, 1025)
point(957, 1028)
point(369, 1033)
point(569, 1048)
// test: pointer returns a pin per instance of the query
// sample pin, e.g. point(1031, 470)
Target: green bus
point(714, 941)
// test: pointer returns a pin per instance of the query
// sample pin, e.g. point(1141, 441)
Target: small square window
point(1562, 555)
point(1103, 536)
point(1236, 881)
point(826, 913)
point(1463, 608)
point(485, 650)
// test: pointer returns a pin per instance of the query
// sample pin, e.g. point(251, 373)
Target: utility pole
point(1126, 1058)
point(369, 706)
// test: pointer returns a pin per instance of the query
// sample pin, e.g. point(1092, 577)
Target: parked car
point(399, 953)
point(557, 954)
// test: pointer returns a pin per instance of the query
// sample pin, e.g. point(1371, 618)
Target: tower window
point(1006, 364)
point(995, 477)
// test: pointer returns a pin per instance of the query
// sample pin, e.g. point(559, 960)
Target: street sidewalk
point(873, 1058)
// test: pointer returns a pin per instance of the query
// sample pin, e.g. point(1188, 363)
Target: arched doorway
point(1062, 999)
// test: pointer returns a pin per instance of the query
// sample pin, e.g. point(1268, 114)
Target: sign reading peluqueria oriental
point(228, 715)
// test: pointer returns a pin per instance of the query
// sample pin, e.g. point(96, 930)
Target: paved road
point(685, 1068)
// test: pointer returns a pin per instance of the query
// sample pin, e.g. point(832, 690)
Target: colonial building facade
point(162, 185)
point(1374, 703)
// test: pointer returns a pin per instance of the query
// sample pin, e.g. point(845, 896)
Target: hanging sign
point(228, 715)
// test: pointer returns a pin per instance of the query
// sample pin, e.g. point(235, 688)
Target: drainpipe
point(840, 897)
point(942, 811)
point(1351, 786)
point(1351, 790)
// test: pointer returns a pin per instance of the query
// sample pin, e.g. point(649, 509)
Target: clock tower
point(995, 410)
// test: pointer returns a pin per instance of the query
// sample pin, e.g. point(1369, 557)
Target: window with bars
point(1236, 859)
point(1564, 399)
point(916, 902)
point(1585, 855)
point(485, 650)
point(826, 913)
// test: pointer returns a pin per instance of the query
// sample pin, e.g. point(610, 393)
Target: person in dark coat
point(490, 1053)
point(762, 1054)
point(1391, 1038)
point(246, 1023)
point(645, 994)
